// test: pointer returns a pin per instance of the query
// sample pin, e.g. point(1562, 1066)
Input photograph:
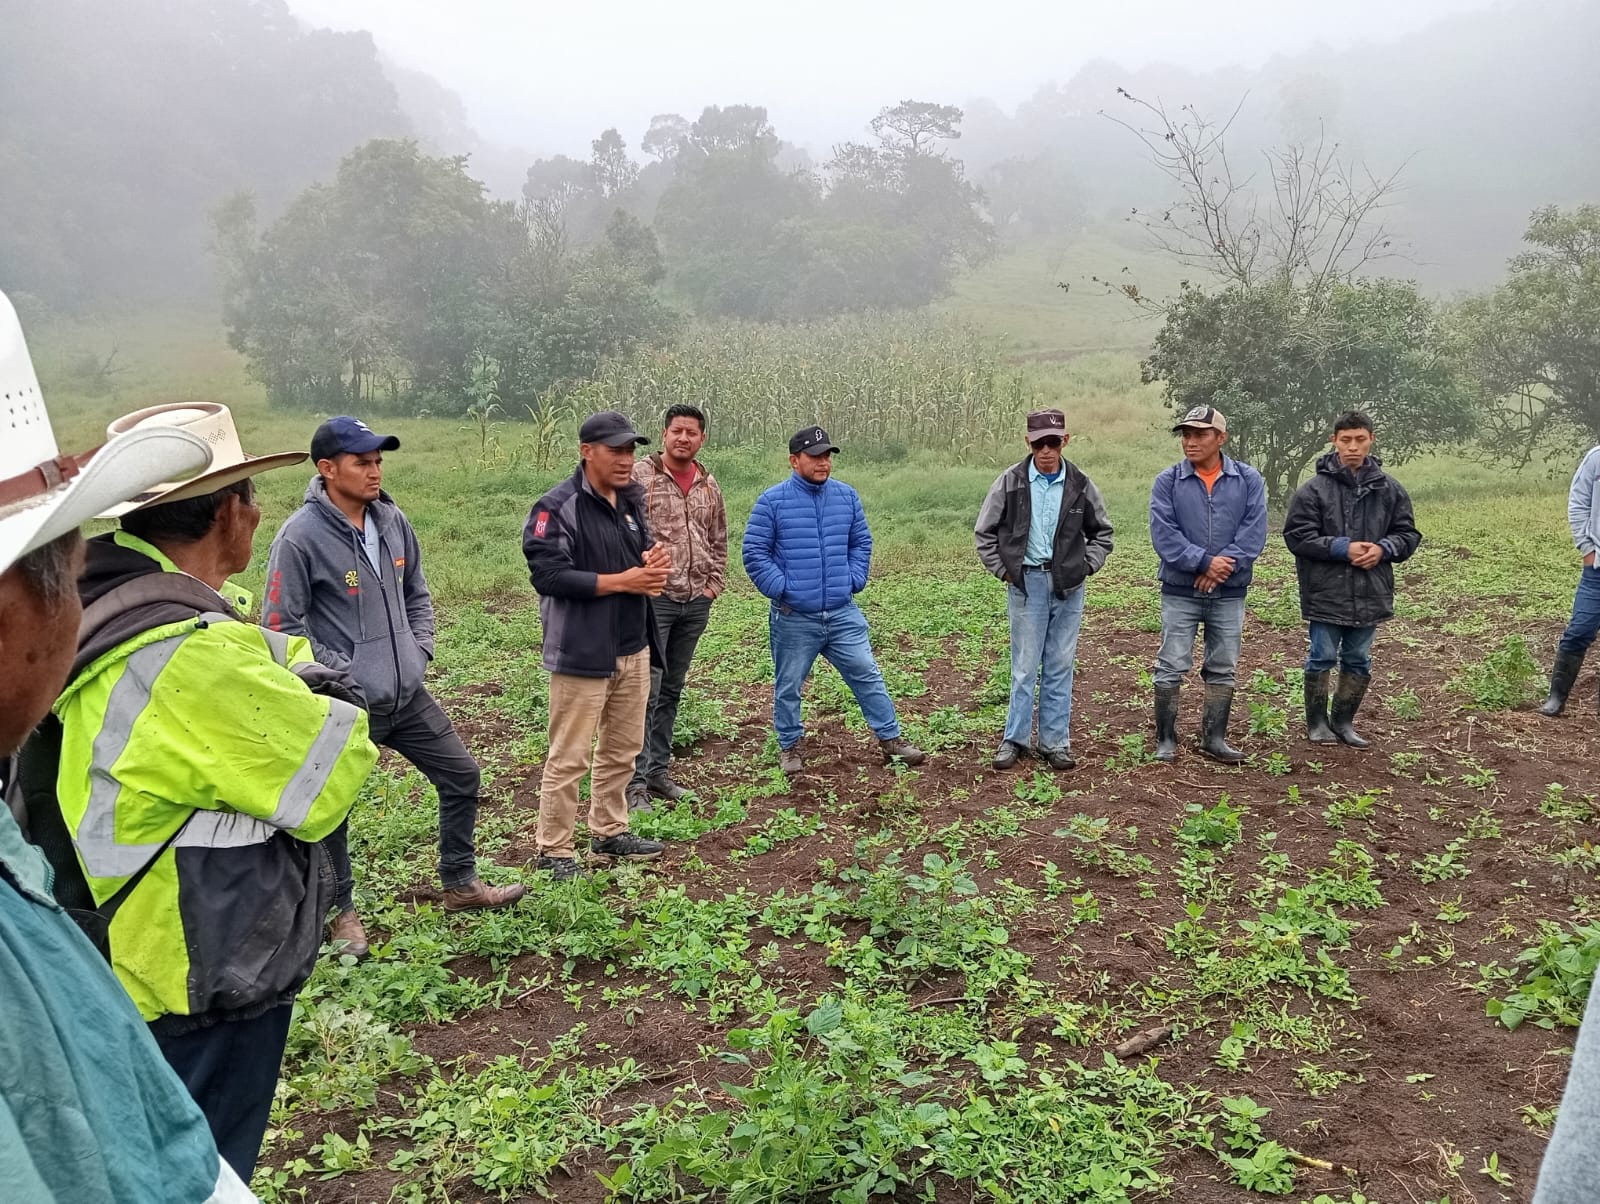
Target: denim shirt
point(1046, 502)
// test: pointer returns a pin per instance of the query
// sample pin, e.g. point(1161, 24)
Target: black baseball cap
point(347, 434)
point(811, 441)
point(611, 428)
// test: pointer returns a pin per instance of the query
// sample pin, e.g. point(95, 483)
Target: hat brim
point(1052, 433)
point(1199, 426)
point(127, 465)
point(635, 440)
point(816, 449)
point(378, 443)
point(208, 483)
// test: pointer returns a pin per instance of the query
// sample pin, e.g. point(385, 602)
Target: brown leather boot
point(478, 895)
point(902, 750)
point(347, 935)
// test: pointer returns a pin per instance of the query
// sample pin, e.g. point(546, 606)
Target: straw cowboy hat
point(212, 423)
point(44, 494)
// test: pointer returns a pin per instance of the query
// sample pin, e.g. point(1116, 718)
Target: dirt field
point(1372, 1051)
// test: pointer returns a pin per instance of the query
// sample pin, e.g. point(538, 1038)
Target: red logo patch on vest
point(541, 524)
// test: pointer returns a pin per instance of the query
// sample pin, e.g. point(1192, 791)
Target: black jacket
point(1330, 511)
point(572, 536)
point(1083, 531)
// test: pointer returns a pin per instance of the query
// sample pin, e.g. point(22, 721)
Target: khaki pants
point(582, 709)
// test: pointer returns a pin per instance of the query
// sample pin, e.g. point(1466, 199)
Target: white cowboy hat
point(44, 494)
point(214, 424)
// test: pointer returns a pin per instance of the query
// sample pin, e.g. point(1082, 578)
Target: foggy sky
point(551, 76)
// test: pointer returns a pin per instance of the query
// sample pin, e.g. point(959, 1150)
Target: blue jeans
point(1181, 618)
point(840, 636)
point(1585, 623)
point(1044, 644)
point(1348, 647)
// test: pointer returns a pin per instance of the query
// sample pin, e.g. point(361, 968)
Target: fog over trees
point(126, 125)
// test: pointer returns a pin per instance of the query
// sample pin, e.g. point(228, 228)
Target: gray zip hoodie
point(377, 626)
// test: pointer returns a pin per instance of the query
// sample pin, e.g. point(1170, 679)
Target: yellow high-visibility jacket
point(202, 725)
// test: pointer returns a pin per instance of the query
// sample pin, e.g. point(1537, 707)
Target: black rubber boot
point(1562, 676)
point(1167, 723)
point(1214, 726)
point(1317, 729)
point(1346, 702)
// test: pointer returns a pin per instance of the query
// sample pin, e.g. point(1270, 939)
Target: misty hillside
point(1486, 116)
point(125, 124)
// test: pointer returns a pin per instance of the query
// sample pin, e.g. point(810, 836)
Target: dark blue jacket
point(572, 536)
point(807, 546)
point(1188, 526)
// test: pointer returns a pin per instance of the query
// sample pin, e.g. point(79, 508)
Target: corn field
point(876, 380)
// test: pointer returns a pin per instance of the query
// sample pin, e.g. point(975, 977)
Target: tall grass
point(883, 380)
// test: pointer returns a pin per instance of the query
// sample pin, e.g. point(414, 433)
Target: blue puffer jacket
point(807, 546)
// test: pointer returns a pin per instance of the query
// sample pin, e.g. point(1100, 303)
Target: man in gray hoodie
point(345, 571)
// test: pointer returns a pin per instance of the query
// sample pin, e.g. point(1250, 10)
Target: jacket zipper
point(688, 534)
point(383, 588)
point(1211, 516)
point(822, 544)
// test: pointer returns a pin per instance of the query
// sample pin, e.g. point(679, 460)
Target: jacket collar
point(1019, 470)
point(658, 463)
point(1370, 473)
point(1033, 474)
point(317, 495)
point(808, 486)
point(1229, 467)
point(116, 557)
point(631, 492)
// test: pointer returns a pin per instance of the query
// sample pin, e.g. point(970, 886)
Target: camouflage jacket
point(694, 525)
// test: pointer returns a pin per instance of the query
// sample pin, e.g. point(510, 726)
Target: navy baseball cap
point(611, 428)
point(811, 441)
point(347, 434)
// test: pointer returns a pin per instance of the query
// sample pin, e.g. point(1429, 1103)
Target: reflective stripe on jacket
point(201, 725)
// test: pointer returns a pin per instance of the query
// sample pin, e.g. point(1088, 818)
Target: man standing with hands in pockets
point(596, 566)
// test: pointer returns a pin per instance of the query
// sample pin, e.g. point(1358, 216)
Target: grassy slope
point(1019, 297)
point(1496, 560)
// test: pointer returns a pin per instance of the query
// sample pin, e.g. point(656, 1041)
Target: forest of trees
point(750, 229)
point(160, 151)
point(127, 123)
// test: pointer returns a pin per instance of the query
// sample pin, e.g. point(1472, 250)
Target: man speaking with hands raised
point(596, 566)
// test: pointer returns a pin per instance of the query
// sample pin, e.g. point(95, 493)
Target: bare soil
point(1392, 1128)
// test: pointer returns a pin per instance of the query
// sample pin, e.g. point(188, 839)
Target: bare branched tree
point(1312, 224)
point(1290, 327)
